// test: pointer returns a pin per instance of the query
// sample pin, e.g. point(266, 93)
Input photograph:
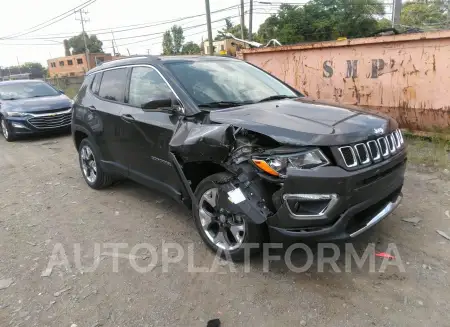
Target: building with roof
point(77, 65)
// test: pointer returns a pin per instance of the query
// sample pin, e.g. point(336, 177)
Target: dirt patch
point(44, 202)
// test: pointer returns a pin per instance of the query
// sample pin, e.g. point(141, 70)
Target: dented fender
point(193, 141)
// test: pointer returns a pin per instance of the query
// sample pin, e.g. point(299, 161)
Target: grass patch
point(71, 90)
point(431, 150)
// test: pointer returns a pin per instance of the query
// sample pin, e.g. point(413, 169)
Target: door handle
point(92, 108)
point(128, 118)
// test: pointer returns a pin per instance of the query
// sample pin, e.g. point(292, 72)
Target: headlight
point(17, 114)
point(278, 165)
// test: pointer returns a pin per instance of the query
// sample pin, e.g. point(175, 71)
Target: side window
point(112, 86)
point(146, 84)
point(96, 83)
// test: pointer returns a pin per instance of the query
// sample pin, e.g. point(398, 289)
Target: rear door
point(108, 105)
point(150, 131)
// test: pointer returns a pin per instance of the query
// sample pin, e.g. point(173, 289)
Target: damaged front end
point(300, 192)
point(245, 192)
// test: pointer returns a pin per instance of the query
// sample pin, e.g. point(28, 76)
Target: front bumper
point(363, 198)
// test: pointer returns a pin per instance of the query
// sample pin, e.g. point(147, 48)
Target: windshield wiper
point(10, 99)
point(277, 97)
point(223, 104)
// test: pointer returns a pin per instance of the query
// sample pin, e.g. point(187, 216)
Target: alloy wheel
point(88, 164)
point(5, 129)
point(225, 230)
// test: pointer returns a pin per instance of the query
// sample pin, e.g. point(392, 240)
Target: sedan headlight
point(17, 114)
point(278, 165)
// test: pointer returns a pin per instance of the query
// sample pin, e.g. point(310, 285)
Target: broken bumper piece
point(331, 203)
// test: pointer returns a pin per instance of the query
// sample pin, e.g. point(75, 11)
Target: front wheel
point(221, 230)
point(6, 131)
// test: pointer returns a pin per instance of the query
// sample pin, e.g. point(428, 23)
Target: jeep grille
point(363, 154)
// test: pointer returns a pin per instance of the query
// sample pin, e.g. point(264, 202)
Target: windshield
point(15, 91)
point(223, 83)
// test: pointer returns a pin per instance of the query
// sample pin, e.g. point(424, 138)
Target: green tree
point(178, 38)
point(320, 20)
point(66, 48)
point(94, 45)
point(167, 43)
point(230, 28)
point(190, 48)
point(384, 23)
point(173, 40)
point(426, 14)
point(33, 65)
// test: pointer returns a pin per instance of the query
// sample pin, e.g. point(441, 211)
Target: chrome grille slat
point(348, 150)
point(398, 143)
point(383, 147)
point(391, 142)
point(362, 153)
point(53, 120)
point(372, 151)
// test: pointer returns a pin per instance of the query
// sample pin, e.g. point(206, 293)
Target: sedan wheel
point(225, 230)
point(88, 164)
point(5, 131)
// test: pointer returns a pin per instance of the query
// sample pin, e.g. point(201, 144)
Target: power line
point(156, 33)
point(187, 35)
point(127, 27)
point(49, 22)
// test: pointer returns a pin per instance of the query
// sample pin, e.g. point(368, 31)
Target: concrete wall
point(406, 76)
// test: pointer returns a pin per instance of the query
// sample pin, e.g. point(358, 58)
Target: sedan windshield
point(16, 91)
point(228, 83)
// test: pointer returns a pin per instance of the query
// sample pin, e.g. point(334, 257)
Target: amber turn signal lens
point(261, 164)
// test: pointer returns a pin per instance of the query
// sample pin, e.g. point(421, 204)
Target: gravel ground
point(44, 202)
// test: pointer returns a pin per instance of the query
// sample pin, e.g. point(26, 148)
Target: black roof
point(136, 60)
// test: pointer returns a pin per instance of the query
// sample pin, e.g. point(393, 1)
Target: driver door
point(149, 131)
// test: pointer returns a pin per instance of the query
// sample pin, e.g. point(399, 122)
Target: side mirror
point(164, 104)
point(61, 91)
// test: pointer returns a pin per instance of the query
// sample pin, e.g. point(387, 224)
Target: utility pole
point(397, 10)
point(448, 13)
point(250, 21)
point(208, 23)
point(112, 43)
point(242, 20)
point(86, 50)
point(18, 64)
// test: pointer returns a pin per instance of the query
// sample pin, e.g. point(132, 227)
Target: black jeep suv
point(251, 156)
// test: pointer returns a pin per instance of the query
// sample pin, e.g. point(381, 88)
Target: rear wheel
point(92, 172)
point(6, 130)
point(221, 230)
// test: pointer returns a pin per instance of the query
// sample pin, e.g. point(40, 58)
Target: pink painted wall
point(406, 76)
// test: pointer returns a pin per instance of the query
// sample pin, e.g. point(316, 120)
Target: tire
point(6, 130)
point(87, 155)
point(253, 233)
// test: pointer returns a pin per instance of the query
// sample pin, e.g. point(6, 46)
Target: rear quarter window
point(113, 84)
point(95, 86)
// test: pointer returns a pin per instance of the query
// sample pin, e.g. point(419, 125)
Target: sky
point(112, 15)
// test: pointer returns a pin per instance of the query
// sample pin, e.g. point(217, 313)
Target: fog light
point(309, 205)
point(18, 125)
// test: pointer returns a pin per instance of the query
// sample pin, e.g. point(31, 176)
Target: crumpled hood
point(306, 122)
point(37, 104)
